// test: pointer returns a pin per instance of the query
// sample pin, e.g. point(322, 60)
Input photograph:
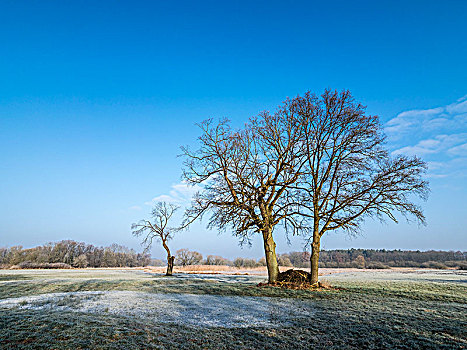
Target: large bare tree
point(246, 177)
point(158, 229)
point(350, 175)
point(316, 164)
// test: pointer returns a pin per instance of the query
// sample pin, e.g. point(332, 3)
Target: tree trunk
point(270, 253)
point(314, 259)
point(170, 265)
point(170, 258)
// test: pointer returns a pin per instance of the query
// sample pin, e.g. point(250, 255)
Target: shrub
point(158, 262)
point(331, 264)
point(56, 266)
point(411, 264)
point(187, 257)
point(359, 262)
point(377, 265)
point(299, 259)
point(80, 261)
point(245, 262)
point(284, 260)
point(32, 265)
point(451, 263)
point(433, 265)
point(217, 260)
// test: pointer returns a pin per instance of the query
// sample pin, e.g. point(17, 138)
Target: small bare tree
point(350, 175)
point(187, 257)
point(159, 229)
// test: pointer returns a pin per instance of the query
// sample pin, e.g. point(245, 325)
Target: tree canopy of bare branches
point(350, 175)
point(315, 164)
point(247, 177)
point(158, 229)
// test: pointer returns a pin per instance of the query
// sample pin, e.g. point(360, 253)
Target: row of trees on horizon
point(70, 253)
point(345, 258)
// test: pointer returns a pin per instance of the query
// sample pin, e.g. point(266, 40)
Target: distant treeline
point(66, 254)
point(185, 257)
point(355, 258)
point(381, 258)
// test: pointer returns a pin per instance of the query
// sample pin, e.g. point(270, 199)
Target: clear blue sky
point(96, 97)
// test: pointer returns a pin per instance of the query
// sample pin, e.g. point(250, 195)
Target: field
point(142, 309)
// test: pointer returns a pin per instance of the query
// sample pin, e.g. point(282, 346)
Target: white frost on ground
point(188, 309)
point(412, 275)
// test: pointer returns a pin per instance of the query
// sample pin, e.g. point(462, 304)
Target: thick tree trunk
point(270, 253)
point(170, 265)
point(314, 259)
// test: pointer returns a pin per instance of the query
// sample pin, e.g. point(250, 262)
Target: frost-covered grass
point(194, 310)
point(122, 309)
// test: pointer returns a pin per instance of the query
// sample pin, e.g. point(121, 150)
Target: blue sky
point(97, 97)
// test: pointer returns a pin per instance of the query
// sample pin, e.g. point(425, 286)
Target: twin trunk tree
point(316, 164)
point(158, 229)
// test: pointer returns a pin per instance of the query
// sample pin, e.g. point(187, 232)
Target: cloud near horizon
point(439, 135)
point(181, 193)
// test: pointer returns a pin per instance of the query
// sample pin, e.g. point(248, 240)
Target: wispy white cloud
point(436, 176)
point(460, 150)
point(434, 165)
point(438, 144)
point(450, 117)
point(439, 135)
point(459, 107)
point(162, 198)
point(413, 150)
point(135, 207)
point(180, 193)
